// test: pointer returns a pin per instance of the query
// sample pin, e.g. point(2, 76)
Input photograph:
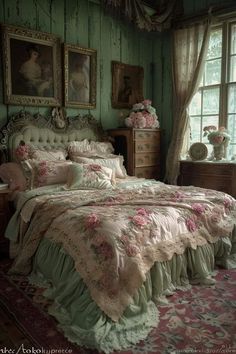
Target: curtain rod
point(220, 12)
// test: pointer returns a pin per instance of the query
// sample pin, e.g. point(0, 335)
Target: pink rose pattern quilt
point(115, 236)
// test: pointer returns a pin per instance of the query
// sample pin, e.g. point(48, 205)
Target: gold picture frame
point(127, 85)
point(32, 67)
point(80, 76)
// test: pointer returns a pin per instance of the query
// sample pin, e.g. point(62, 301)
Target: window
point(215, 101)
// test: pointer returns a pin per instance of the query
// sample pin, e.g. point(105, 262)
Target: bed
point(108, 248)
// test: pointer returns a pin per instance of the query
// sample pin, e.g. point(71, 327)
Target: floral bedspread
point(116, 236)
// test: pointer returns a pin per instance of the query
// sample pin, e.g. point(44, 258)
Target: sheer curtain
point(189, 51)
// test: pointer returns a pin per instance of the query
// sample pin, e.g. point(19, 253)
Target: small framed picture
point(127, 85)
point(32, 67)
point(80, 76)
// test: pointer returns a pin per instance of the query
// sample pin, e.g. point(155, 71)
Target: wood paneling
point(85, 23)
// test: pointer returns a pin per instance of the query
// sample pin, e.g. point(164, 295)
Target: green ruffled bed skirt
point(84, 323)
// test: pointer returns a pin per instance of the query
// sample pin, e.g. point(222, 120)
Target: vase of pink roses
point(219, 139)
point(142, 115)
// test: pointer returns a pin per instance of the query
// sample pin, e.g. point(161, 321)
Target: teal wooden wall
point(84, 22)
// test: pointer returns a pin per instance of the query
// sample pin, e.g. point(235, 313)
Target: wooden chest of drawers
point(220, 176)
point(141, 150)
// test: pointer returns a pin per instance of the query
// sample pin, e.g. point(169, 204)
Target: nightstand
point(5, 215)
point(141, 150)
point(220, 176)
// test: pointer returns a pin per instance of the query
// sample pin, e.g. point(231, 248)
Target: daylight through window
point(215, 101)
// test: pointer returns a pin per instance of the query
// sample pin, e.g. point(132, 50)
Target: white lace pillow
point(48, 155)
point(115, 163)
point(77, 147)
point(102, 148)
point(89, 176)
point(89, 149)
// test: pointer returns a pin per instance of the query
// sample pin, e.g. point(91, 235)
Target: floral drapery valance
point(136, 12)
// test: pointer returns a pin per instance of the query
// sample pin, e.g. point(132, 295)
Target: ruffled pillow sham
point(12, 174)
point(27, 151)
point(89, 176)
point(89, 149)
point(44, 173)
point(115, 162)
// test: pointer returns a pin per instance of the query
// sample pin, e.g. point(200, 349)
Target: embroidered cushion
point(44, 173)
point(115, 163)
point(26, 152)
point(87, 176)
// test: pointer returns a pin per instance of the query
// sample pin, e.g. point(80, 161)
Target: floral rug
point(200, 320)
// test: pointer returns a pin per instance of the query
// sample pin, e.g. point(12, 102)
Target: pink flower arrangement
point(143, 115)
point(216, 137)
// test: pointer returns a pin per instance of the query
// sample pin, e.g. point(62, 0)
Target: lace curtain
point(189, 51)
point(135, 12)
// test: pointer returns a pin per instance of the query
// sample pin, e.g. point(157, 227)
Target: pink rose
point(199, 208)
point(131, 250)
point(22, 152)
point(191, 225)
point(94, 167)
point(139, 220)
point(92, 221)
point(147, 102)
point(128, 122)
point(227, 203)
point(142, 211)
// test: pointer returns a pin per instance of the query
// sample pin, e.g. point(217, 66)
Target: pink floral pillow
point(44, 173)
point(89, 176)
point(25, 152)
point(115, 162)
point(12, 174)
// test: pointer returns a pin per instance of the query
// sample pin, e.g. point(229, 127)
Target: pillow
point(105, 148)
point(26, 152)
point(115, 162)
point(77, 147)
point(49, 155)
point(12, 174)
point(89, 176)
point(44, 173)
point(89, 149)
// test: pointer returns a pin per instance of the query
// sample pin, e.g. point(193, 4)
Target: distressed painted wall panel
point(94, 37)
point(105, 71)
point(84, 22)
point(146, 61)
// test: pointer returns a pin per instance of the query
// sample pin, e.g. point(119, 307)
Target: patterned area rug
point(200, 320)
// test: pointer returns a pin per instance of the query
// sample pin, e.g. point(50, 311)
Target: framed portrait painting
point(32, 67)
point(127, 85)
point(80, 76)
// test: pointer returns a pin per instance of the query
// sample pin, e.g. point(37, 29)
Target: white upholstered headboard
point(43, 132)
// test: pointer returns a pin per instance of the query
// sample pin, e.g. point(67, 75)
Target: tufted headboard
point(46, 132)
